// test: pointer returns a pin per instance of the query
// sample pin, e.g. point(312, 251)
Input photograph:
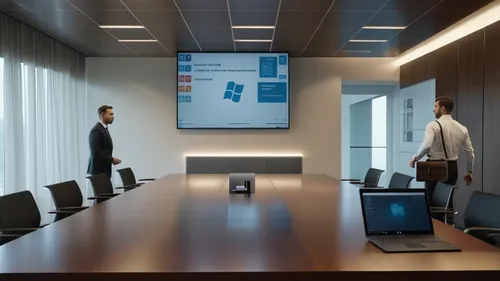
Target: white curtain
point(44, 105)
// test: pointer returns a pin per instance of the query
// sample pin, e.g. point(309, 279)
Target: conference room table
point(188, 227)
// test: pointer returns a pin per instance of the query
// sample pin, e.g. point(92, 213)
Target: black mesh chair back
point(399, 180)
point(482, 210)
point(101, 184)
point(18, 210)
point(66, 194)
point(443, 196)
point(372, 177)
point(127, 176)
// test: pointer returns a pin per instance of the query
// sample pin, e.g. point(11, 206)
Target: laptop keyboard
point(410, 239)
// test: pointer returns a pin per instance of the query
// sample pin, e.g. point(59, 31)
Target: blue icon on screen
point(181, 68)
point(182, 98)
point(282, 60)
point(188, 68)
point(182, 57)
point(233, 91)
point(397, 210)
point(188, 57)
point(187, 99)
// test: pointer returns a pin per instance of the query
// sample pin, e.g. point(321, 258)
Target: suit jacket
point(101, 151)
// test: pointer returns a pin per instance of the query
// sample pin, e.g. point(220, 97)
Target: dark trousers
point(452, 179)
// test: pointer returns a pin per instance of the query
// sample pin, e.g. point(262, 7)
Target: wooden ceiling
point(308, 28)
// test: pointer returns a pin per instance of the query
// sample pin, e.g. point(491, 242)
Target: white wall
point(143, 93)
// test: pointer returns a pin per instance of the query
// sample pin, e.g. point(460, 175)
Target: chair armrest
point(76, 209)
point(130, 186)
point(99, 197)
point(108, 194)
point(62, 212)
point(151, 179)
point(17, 231)
point(350, 179)
point(486, 229)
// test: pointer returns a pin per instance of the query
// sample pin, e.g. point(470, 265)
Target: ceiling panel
point(253, 33)
point(254, 5)
point(359, 5)
point(130, 33)
point(200, 19)
point(202, 5)
point(376, 34)
point(253, 17)
point(336, 30)
point(46, 5)
point(112, 17)
point(356, 46)
point(147, 49)
point(205, 25)
point(87, 5)
point(301, 5)
point(150, 5)
point(394, 18)
point(253, 47)
point(293, 35)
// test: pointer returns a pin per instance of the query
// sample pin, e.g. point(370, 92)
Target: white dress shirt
point(455, 135)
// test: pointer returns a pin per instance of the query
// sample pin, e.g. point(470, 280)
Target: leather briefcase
point(432, 171)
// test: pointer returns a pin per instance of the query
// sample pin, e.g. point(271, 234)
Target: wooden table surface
point(304, 224)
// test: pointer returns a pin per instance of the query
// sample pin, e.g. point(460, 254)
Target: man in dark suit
point(101, 144)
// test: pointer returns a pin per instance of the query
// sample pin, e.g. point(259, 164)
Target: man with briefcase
point(442, 142)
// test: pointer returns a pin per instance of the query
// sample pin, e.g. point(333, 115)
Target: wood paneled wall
point(468, 70)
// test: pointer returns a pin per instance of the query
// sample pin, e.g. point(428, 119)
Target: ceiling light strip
point(121, 26)
point(138, 40)
point(253, 40)
point(366, 41)
point(384, 27)
point(472, 23)
point(252, 26)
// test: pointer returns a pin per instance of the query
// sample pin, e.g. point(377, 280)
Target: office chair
point(19, 215)
point(481, 217)
point(372, 178)
point(442, 203)
point(67, 196)
point(128, 178)
point(399, 180)
point(103, 188)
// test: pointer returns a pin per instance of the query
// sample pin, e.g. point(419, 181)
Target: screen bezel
point(363, 191)
point(229, 128)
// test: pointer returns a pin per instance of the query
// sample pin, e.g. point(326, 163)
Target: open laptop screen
point(387, 212)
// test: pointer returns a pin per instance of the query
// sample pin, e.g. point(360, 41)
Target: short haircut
point(446, 102)
point(103, 109)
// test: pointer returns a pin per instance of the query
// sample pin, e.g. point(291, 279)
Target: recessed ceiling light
point(383, 27)
point(253, 27)
point(138, 41)
point(357, 51)
point(472, 23)
point(121, 26)
point(253, 40)
point(367, 41)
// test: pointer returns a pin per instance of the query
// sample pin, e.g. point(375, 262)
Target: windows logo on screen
point(397, 210)
point(233, 91)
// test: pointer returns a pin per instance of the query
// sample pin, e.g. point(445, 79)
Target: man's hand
point(116, 161)
point(412, 162)
point(468, 179)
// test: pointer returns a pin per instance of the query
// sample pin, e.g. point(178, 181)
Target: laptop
point(399, 220)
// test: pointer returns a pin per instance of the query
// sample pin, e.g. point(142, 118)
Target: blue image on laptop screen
point(396, 213)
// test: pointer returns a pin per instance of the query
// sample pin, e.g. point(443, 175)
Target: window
point(408, 120)
point(2, 158)
point(379, 133)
